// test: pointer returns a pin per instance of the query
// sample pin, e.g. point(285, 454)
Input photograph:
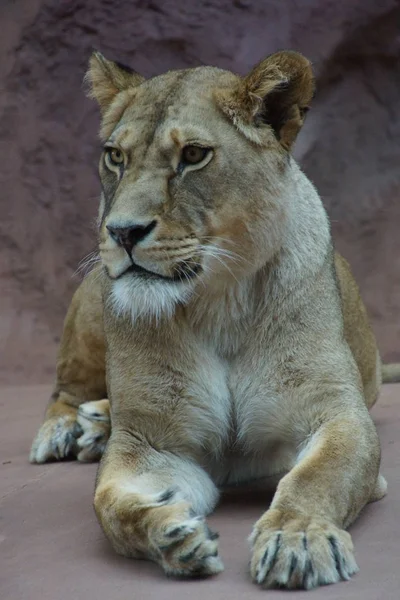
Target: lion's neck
point(225, 315)
point(221, 316)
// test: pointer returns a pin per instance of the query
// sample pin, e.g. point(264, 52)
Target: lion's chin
point(146, 297)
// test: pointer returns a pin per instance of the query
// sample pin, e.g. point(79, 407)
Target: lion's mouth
point(183, 273)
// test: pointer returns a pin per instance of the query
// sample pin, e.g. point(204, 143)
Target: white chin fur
point(141, 298)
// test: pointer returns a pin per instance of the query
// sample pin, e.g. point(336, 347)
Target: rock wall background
point(350, 146)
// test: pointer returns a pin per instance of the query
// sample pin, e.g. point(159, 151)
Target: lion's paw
point(300, 552)
point(55, 440)
point(94, 420)
point(186, 548)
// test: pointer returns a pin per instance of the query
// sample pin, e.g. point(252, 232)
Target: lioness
point(229, 337)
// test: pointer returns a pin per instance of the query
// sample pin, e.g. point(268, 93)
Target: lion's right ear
point(106, 79)
point(276, 94)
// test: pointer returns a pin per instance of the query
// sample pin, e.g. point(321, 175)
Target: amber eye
point(192, 155)
point(115, 156)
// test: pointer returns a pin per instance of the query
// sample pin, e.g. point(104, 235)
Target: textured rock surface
point(350, 146)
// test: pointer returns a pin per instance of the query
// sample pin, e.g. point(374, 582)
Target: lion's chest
point(247, 433)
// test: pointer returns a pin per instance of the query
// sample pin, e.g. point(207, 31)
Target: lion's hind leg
point(77, 422)
point(94, 420)
point(57, 437)
point(71, 432)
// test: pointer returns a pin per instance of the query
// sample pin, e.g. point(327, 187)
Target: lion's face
point(190, 195)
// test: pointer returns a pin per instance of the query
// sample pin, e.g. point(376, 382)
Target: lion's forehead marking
point(167, 104)
point(174, 132)
point(147, 111)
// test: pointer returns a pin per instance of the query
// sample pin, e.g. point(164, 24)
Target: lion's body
point(81, 370)
point(255, 361)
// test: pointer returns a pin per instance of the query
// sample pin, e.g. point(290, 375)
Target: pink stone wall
point(350, 146)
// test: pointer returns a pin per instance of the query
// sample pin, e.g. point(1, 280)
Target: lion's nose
point(128, 236)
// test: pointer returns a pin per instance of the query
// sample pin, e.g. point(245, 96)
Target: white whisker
point(97, 273)
point(86, 264)
point(226, 267)
point(229, 253)
point(218, 254)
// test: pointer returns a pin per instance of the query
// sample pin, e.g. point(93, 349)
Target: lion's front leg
point(152, 505)
point(300, 542)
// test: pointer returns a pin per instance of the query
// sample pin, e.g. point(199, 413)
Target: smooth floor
point(51, 547)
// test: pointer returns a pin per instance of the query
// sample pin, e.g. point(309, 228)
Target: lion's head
point(193, 174)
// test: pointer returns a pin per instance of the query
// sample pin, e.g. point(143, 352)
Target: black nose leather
point(130, 235)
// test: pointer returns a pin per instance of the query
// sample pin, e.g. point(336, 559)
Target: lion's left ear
point(277, 92)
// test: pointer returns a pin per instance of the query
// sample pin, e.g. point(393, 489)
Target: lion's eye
point(191, 155)
point(115, 156)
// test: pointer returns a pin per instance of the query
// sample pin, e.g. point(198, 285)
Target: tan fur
point(391, 373)
point(241, 351)
point(80, 377)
